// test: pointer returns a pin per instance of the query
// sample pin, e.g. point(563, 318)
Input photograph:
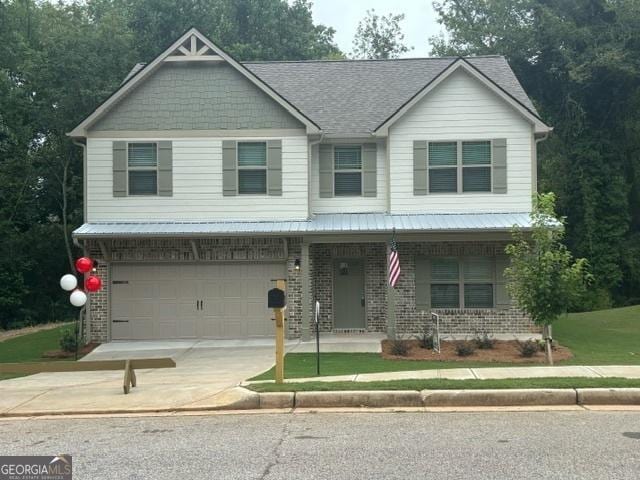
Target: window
point(347, 171)
point(443, 167)
point(462, 282)
point(445, 283)
point(142, 162)
point(252, 168)
point(460, 166)
point(476, 166)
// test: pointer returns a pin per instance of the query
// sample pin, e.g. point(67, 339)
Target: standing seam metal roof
point(319, 224)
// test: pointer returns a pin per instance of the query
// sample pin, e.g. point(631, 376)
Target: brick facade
point(408, 319)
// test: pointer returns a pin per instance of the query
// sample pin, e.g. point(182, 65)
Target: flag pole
point(391, 297)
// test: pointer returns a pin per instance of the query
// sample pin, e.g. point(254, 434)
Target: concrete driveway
point(205, 373)
point(205, 376)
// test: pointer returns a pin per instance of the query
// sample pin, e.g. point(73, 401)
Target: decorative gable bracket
point(193, 49)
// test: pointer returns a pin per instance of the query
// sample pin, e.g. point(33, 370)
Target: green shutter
point(165, 169)
point(274, 167)
point(499, 150)
point(229, 169)
point(420, 172)
point(369, 170)
point(503, 300)
point(326, 170)
point(119, 169)
point(423, 283)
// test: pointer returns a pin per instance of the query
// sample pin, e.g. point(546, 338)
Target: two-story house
point(207, 178)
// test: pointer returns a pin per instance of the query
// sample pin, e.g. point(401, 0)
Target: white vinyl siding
point(350, 204)
point(461, 109)
point(197, 185)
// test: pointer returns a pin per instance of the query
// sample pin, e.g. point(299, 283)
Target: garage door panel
point(160, 300)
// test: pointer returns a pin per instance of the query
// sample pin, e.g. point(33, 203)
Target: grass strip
point(444, 384)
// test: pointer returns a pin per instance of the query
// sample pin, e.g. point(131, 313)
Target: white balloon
point(78, 298)
point(68, 282)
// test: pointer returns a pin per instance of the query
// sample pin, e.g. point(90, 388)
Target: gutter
point(310, 146)
point(84, 178)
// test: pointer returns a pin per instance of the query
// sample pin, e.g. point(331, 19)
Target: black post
point(317, 347)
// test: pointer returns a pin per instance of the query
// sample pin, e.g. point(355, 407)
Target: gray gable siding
point(196, 97)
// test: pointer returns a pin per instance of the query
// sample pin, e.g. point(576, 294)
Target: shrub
point(68, 341)
point(528, 348)
point(425, 340)
point(464, 348)
point(399, 347)
point(484, 341)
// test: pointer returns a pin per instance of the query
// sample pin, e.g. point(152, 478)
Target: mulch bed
point(504, 351)
point(62, 354)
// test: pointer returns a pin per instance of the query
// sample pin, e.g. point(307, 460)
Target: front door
point(348, 294)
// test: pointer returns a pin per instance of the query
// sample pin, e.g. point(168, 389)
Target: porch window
point(252, 168)
point(462, 282)
point(348, 171)
point(142, 165)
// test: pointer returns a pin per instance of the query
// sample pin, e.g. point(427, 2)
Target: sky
point(343, 15)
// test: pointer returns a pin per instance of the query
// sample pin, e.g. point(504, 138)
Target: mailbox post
point(277, 301)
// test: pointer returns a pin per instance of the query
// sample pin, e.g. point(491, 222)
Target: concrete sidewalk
point(624, 371)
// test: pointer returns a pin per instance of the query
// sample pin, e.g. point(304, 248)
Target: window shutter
point(165, 169)
point(326, 170)
point(420, 171)
point(274, 167)
point(369, 170)
point(499, 165)
point(423, 283)
point(229, 169)
point(119, 169)
point(503, 300)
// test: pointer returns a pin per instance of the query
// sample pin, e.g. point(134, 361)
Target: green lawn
point(607, 337)
point(435, 384)
point(30, 347)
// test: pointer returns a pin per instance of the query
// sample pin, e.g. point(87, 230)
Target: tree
point(379, 37)
point(580, 63)
point(543, 278)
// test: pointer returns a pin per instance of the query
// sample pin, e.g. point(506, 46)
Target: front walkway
point(623, 371)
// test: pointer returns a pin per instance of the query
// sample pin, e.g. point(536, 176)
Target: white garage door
point(151, 302)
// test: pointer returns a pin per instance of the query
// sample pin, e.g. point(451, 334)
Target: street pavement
point(491, 445)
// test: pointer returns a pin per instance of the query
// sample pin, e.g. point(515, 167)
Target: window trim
point(252, 167)
point(143, 169)
point(460, 167)
point(461, 281)
point(348, 170)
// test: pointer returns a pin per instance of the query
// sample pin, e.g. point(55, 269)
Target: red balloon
point(92, 283)
point(84, 264)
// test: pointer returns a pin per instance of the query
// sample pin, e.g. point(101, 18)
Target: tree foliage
point(58, 61)
point(379, 37)
point(580, 62)
point(543, 277)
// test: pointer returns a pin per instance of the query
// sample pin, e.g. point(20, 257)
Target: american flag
point(394, 263)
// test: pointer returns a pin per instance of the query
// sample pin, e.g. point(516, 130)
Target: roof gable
point(193, 46)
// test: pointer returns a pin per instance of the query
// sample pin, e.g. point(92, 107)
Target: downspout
point(309, 162)
point(76, 242)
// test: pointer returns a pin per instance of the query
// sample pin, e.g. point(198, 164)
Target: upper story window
point(462, 282)
point(252, 168)
point(456, 167)
point(347, 171)
point(142, 165)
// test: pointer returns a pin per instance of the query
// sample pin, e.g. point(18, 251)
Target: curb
point(241, 399)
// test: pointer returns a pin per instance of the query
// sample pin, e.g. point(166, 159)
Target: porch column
point(305, 296)
point(391, 302)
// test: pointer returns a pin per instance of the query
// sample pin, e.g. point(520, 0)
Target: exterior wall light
point(296, 264)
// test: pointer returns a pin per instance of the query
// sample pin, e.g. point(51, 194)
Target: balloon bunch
point(92, 283)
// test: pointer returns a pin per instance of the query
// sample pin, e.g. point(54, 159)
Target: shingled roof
point(353, 97)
